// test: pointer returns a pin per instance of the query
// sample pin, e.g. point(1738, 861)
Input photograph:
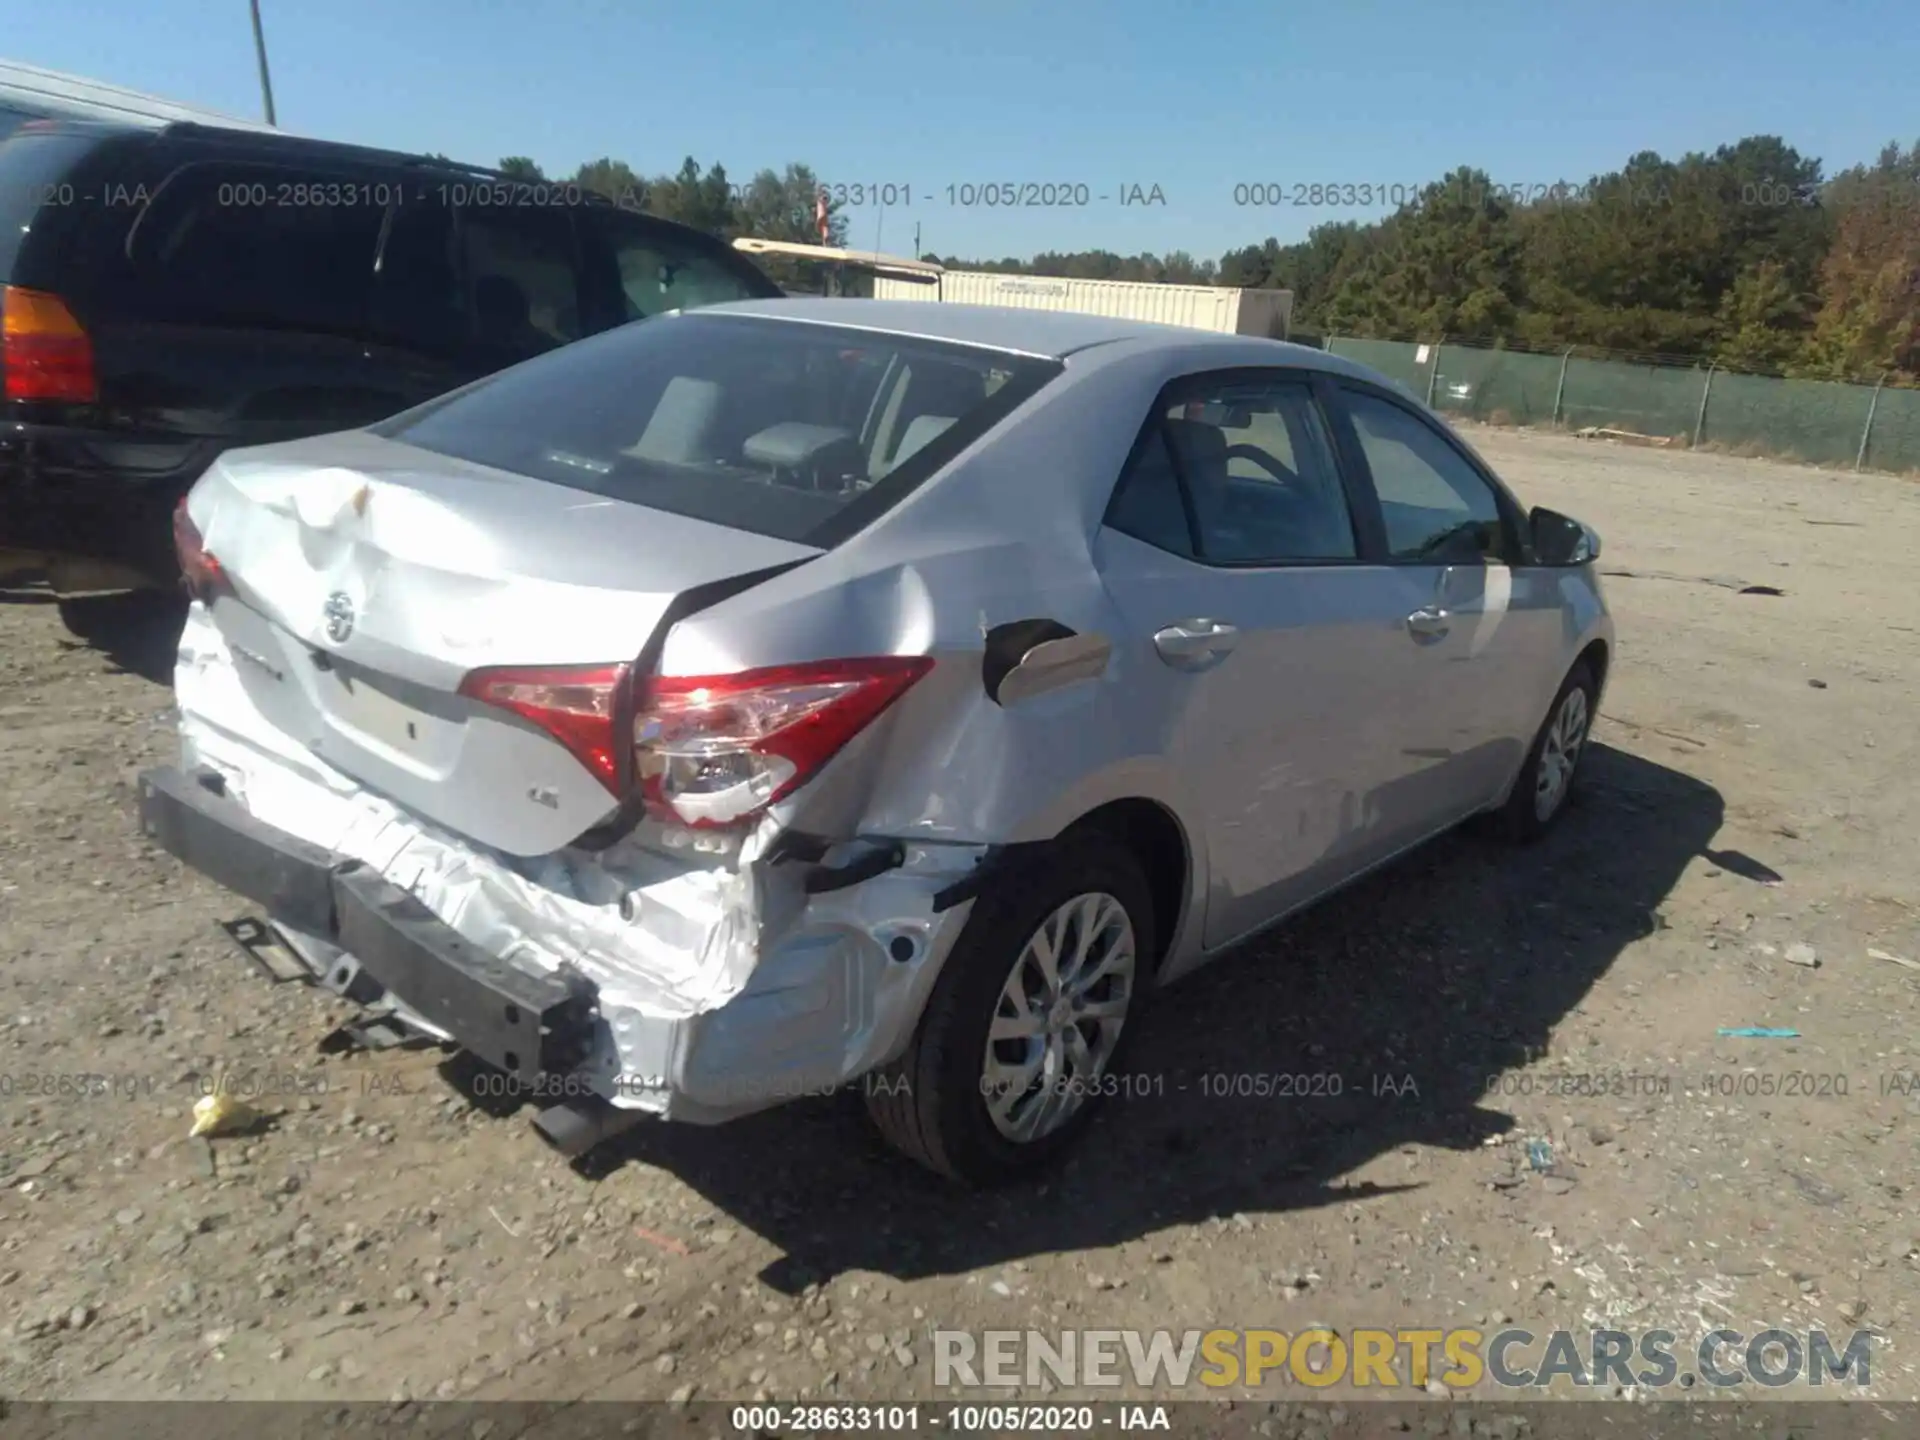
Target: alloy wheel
point(1059, 1017)
point(1559, 753)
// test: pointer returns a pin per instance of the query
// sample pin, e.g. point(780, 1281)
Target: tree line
point(1749, 256)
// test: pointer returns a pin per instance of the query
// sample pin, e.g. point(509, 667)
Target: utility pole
point(260, 49)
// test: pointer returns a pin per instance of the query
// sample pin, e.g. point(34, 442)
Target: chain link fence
point(1874, 427)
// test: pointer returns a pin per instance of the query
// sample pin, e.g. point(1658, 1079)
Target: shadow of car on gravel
point(138, 631)
point(1415, 988)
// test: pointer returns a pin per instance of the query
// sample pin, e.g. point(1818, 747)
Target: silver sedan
point(750, 702)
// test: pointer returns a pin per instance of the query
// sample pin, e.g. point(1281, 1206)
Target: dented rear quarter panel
point(1006, 533)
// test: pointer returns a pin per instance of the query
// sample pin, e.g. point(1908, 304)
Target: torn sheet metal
point(657, 934)
point(723, 986)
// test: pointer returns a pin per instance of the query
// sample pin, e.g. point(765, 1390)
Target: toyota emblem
point(338, 613)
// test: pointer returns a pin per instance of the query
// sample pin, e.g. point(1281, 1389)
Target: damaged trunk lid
point(366, 579)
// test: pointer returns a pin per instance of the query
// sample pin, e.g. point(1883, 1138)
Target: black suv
point(168, 293)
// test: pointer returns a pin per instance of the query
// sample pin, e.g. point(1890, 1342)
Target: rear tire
point(1087, 903)
point(1544, 787)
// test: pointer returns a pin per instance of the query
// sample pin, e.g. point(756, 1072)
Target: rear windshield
point(788, 429)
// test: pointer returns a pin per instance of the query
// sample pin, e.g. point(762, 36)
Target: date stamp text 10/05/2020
point(993, 195)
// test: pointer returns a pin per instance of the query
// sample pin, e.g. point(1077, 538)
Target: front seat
point(922, 431)
point(506, 315)
point(937, 394)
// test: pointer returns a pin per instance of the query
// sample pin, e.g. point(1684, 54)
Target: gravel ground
point(1740, 848)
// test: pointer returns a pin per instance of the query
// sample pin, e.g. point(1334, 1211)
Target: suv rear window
point(793, 430)
point(35, 176)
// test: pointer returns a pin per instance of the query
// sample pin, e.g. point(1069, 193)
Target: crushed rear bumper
point(655, 982)
point(529, 1025)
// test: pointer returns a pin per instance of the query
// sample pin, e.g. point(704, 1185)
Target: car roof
point(31, 90)
point(1054, 334)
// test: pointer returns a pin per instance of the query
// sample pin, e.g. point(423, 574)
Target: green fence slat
point(1646, 399)
point(1502, 387)
point(1895, 442)
point(1817, 421)
point(1392, 358)
point(1809, 420)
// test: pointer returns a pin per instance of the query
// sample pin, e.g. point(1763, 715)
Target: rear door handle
point(1195, 644)
point(1429, 622)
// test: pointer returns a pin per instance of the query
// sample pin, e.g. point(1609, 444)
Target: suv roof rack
point(194, 129)
point(406, 159)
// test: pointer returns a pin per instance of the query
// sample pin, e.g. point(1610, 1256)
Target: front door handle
point(1195, 644)
point(1429, 622)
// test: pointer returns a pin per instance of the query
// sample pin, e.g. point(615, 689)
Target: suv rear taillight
point(44, 352)
point(204, 576)
point(715, 750)
point(709, 750)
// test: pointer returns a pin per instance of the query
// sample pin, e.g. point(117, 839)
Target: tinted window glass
point(659, 269)
point(1147, 504)
point(12, 119)
point(793, 431)
point(230, 244)
point(416, 292)
point(36, 175)
point(522, 277)
point(1436, 505)
point(1259, 468)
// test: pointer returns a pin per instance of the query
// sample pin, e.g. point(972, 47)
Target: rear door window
point(261, 246)
point(1244, 467)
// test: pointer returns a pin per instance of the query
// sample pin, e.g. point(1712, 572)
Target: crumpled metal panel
point(664, 937)
point(723, 988)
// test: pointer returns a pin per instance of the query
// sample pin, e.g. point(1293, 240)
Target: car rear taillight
point(44, 353)
point(204, 576)
point(715, 750)
point(576, 704)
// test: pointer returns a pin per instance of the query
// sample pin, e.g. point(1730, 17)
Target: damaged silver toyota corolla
point(748, 701)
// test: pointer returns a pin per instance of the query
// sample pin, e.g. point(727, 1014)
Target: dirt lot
point(1751, 807)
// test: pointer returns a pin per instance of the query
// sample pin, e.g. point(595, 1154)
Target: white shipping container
point(1219, 308)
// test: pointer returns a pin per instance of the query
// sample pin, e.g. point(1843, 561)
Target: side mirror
point(1561, 540)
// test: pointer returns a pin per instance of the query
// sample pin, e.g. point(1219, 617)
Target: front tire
point(1019, 1039)
point(1545, 784)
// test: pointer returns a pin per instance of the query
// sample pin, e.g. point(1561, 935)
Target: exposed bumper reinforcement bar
point(578, 1126)
point(529, 1025)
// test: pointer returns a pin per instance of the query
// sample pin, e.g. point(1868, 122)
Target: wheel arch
point(1157, 839)
point(1597, 654)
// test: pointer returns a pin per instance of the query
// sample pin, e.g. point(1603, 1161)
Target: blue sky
point(1195, 98)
